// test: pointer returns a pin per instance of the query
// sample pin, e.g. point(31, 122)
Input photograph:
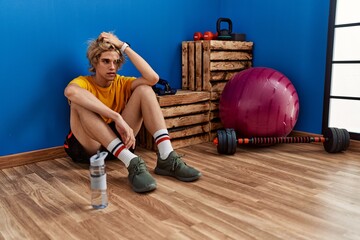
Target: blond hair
point(96, 48)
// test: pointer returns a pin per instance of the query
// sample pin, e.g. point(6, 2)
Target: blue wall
point(43, 46)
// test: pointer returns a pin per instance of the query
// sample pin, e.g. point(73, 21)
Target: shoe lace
point(176, 162)
point(140, 167)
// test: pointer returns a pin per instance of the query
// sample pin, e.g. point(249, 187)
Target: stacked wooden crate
point(209, 65)
point(192, 115)
point(186, 117)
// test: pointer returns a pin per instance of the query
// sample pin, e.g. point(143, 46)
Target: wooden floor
point(294, 191)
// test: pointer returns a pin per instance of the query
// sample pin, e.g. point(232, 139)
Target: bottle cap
point(98, 159)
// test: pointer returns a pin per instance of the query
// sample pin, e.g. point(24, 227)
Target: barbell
point(334, 140)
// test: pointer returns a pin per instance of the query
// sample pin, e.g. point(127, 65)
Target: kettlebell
point(224, 34)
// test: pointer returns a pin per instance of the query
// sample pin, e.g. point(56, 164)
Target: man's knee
point(82, 112)
point(144, 90)
point(76, 107)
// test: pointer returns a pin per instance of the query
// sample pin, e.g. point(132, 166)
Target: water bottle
point(99, 198)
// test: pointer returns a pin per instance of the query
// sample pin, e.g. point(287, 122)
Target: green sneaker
point(139, 177)
point(174, 166)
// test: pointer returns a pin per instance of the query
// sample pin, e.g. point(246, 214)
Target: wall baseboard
point(19, 159)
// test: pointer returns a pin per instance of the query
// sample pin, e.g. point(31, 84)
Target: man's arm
point(86, 99)
point(148, 75)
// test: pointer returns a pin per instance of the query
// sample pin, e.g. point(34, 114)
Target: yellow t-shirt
point(115, 96)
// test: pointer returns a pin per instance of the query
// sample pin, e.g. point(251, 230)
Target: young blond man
point(107, 111)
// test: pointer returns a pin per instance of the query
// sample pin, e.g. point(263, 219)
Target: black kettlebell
point(224, 34)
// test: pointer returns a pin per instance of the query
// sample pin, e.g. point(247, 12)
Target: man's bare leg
point(90, 129)
point(143, 105)
point(92, 132)
point(168, 162)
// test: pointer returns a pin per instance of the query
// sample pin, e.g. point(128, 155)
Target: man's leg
point(92, 132)
point(143, 105)
point(90, 129)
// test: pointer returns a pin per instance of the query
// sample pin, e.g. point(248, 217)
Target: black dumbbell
point(334, 140)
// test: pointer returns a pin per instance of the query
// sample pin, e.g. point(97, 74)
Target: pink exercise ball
point(259, 102)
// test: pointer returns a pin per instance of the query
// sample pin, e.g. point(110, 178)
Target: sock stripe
point(119, 150)
point(116, 146)
point(161, 135)
point(161, 140)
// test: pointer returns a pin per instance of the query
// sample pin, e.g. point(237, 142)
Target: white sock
point(118, 149)
point(162, 140)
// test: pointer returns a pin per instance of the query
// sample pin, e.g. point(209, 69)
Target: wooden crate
point(187, 115)
point(215, 122)
point(208, 65)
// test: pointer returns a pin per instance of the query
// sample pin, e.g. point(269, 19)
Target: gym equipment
point(208, 35)
point(224, 34)
point(259, 102)
point(334, 140)
point(162, 87)
point(198, 36)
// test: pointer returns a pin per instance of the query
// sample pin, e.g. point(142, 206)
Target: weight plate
point(219, 144)
point(231, 141)
point(226, 144)
point(331, 140)
point(234, 138)
point(346, 139)
point(340, 140)
point(222, 142)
